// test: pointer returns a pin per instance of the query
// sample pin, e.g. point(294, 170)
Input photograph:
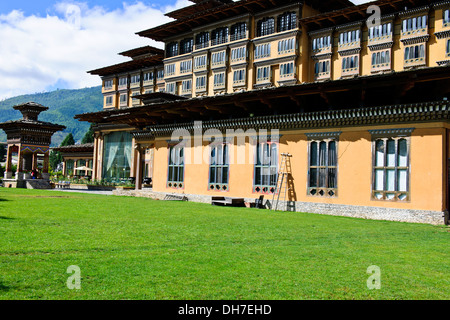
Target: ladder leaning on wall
point(282, 183)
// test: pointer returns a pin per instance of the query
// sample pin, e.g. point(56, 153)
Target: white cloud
point(42, 52)
point(37, 53)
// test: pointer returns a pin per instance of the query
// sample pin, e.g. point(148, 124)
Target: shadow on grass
point(3, 199)
point(6, 218)
point(4, 288)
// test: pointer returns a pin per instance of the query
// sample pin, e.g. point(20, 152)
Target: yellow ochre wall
point(427, 171)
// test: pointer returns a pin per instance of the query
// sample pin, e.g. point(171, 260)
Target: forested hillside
point(63, 104)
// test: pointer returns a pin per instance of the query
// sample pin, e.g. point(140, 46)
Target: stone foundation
point(372, 213)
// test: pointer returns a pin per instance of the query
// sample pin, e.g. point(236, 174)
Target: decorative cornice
point(442, 34)
point(410, 12)
point(321, 32)
point(276, 36)
point(386, 115)
point(401, 132)
point(323, 135)
point(443, 63)
point(441, 4)
point(415, 40)
point(322, 56)
point(381, 46)
point(351, 25)
point(349, 52)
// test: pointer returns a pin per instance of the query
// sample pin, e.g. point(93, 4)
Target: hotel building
point(359, 103)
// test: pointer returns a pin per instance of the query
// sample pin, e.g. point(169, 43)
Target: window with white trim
point(200, 83)
point(171, 87)
point(286, 46)
point(320, 43)
point(175, 176)
point(109, 101)
point(381, 59)
point(322, 168)
point(322, 68)
point(415, 53)
point(349, 37)
point(123, 81)
point(238, 54)
point(239, 76)
point(186, 66)
point(135, 79)
point(200, 62)
point(391, 169)
point(108, 84)
point(186, 86)
point(123, 99)
point(266, 167)
point(169, 69)
point(414, 24)
point(219, 79)
point(287, 69)
point(218, 58)
point(160, 74)
point(350, 64)
point(446, 17)
point(262, 51)
point(148, 76)
point(186, 46)
point(383, 30)
point(219, 167)
point(263, 74)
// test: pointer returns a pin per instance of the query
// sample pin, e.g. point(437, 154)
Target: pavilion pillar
point(34, 164)
point(138, 167)
point(8, 169)
point(19, 175)
point(94, 159)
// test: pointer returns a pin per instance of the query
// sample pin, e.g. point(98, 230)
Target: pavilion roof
point(132, 65)
point(88, 147)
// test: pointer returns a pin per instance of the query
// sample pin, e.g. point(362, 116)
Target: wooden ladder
point(282, 183)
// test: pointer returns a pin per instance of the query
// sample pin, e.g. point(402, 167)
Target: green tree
point(89, 136)
point(68, 141)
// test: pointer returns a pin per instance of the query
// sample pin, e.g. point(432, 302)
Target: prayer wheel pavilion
point(29, 140)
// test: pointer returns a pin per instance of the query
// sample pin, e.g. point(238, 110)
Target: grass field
point(136, 248)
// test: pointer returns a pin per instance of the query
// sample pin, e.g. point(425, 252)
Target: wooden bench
point(226, 201)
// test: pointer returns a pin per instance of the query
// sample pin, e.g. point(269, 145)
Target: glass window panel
point(212, 175)
point(322, 178)
point(402, 153)
point(322, 153)
point(332, 178)
point(313, 178)
point(390, 158)
point(390, 180)
point(402, 183)
point(332, 154)
point(379, 180)
point(379, 154)
point(225, 175)
point(313, 154)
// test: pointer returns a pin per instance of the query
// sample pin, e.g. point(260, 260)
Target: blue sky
point(42, 7)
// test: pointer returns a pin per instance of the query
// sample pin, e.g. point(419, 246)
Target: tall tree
point(89, 136)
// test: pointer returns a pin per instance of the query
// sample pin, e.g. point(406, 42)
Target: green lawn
point(136, 248)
